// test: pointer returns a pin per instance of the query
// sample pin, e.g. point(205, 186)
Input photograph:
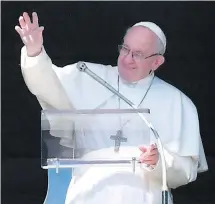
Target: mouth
point(130, 68)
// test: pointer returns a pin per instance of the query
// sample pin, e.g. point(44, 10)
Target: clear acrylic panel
point(92, 137)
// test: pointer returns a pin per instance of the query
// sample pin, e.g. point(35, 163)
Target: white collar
point(142, 82)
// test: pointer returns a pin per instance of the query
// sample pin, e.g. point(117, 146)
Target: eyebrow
point(125, 45)
point(130, 48)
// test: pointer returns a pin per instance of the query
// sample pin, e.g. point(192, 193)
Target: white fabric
point(154, 28)
point(173, 115)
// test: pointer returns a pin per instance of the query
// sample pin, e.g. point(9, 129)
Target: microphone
point(165, 192)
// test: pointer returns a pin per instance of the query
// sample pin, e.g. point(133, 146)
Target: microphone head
point(81, 66)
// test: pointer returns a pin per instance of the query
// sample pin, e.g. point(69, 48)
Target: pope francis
point(172, 113)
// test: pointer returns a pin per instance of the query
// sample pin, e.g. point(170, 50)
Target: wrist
point(33, 53)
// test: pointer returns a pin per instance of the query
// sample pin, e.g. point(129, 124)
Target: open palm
point(31, 33)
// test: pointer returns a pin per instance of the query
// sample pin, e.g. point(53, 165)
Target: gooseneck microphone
point(81, 66)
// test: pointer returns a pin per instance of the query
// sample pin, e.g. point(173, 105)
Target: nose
point(129, 58)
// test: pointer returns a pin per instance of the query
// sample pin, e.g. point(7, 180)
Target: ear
point(158, 62)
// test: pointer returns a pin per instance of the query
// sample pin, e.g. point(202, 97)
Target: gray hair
point(159, 47)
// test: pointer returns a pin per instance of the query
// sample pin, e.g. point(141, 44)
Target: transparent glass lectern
point(71, 139)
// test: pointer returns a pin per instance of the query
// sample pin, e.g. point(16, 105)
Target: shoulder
point(172, 93)
point(92, 66)
point(107, 72)
point(99, 69)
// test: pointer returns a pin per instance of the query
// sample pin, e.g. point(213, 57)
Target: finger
point(153, 146)
point(27, 19)
point(143, 149)
point(151, 159)
point(153, 152)
point(41, 31)
point(145, 159)
point(149, 162)
point(149, 148)
point(41, 28)
point(18, 30)
point(22, 22)
point(149, 155)
point(35, 19)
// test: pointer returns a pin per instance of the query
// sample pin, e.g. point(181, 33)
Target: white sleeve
point(42, 81)
point(180, 170)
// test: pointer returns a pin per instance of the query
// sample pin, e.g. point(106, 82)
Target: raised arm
point(37, 67)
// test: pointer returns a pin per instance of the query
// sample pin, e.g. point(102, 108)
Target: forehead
point(140, 38)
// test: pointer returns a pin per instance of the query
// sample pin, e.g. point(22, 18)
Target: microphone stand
point(165, 193)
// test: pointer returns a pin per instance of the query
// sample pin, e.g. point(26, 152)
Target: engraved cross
point(118, 139)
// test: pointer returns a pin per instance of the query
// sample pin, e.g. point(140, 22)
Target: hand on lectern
point(150, 154)
point(31, 33)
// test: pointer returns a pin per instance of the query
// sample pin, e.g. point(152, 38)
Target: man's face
point(141, 42)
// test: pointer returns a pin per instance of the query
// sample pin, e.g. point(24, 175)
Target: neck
point(144, 79)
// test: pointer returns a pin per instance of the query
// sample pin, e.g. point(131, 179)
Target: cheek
point(143, 67)
point(120, 60)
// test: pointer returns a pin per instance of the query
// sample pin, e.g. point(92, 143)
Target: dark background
point(91, 31)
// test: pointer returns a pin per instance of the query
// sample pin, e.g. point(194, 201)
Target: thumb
point(143, 149)
point(18, 30)
point(41, 30)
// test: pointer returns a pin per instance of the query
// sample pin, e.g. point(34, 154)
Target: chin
point(127, 74)
point(127, 77)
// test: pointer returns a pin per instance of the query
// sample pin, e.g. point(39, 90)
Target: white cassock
point(172, 113)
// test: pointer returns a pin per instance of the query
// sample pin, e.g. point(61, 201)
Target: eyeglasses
point(136, 55)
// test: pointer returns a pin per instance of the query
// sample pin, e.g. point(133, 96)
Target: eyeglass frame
point(129, 50)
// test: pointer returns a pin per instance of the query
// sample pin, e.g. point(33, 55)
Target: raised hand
point(31, 33)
